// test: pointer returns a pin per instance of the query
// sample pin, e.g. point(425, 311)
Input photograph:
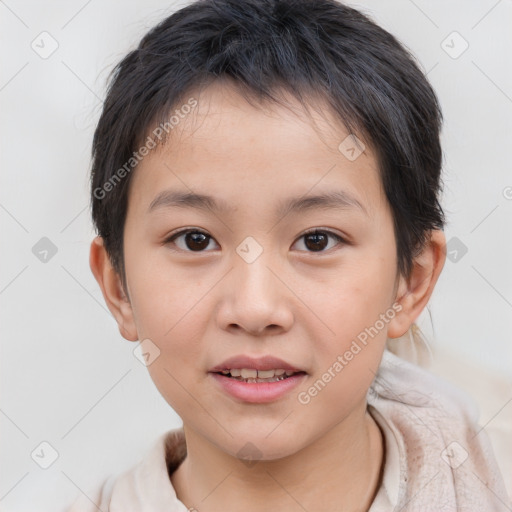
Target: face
point(247, 279)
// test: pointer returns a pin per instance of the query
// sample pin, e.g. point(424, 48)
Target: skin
point(303, 306)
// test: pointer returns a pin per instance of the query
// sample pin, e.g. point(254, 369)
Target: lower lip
point(258, 392)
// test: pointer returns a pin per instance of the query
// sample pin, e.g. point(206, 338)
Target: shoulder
point(144, 485)
point(443, 457)
point(401, 382)
point(98, 500)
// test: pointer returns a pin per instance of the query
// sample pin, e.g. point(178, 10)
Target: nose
point(255, 298)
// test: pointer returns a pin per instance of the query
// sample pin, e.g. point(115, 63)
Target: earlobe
point(414, 293)
point(112, 289)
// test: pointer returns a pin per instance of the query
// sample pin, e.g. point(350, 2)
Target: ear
point(112, 289)
point(414, 293)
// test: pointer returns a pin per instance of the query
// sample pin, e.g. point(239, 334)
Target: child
point(265, 186)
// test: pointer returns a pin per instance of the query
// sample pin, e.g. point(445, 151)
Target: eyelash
point(337, 237)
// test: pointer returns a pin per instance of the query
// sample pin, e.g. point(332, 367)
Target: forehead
point(224, 113)
point(238, 152)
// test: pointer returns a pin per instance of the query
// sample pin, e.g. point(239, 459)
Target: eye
point(194, 240)
point(316, 240)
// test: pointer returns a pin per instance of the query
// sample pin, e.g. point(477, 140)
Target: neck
point(339, 471)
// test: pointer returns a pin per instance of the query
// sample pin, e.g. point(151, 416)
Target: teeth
point(265, 374)
point(249, 373)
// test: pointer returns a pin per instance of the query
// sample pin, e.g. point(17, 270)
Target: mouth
point(260, 380)
point(250, 375)
point(248, 385)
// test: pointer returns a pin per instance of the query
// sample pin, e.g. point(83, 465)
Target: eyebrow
point(336, 199)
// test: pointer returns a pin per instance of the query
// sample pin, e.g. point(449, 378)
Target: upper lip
point(255, 363)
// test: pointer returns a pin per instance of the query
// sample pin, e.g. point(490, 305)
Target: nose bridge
point(254, 298)
point(251, 273)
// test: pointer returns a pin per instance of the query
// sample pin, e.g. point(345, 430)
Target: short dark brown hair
point(307, 47)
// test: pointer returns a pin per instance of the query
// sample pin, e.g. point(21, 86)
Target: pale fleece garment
point(437, 458)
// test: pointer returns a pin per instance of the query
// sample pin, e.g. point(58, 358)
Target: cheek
point(168, 311)
point(163, 296)
point(354, 296)
point(347, 360)
point(357, 309)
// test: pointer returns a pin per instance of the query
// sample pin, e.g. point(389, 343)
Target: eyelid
point(324, 230)
point(184, 230)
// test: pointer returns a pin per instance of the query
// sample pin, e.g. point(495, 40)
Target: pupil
point(319, 241)
point(196, 241)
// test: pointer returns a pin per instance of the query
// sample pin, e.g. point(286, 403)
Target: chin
point(254, 446)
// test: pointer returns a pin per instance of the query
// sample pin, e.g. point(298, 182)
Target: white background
point(68, 377)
